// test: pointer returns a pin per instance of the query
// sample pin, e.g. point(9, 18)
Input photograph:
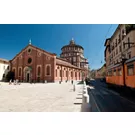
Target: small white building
point(4, 68)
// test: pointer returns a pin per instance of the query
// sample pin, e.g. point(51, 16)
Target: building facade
point(74, 54)
point(4, 68)
point(33, 64)
point(121, 46)
point(101, 73)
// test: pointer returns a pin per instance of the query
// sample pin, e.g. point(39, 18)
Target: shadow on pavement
point(110, 99)
point(78, 98)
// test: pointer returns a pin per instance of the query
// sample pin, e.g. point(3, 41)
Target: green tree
point(10, 75)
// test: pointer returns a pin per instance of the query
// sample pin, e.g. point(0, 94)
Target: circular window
point(29, 50)
point(48, 58)
point(29, 60)
point(39, 54)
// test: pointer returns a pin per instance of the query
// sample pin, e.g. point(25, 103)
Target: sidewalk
point(50, 97)
point(4, 83)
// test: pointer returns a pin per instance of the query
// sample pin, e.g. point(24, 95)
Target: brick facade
point(37, 65)
point(74, 54)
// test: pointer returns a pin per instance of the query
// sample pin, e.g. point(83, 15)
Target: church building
point(33, 64)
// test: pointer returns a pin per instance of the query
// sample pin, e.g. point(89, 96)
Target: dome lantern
point(72, 42)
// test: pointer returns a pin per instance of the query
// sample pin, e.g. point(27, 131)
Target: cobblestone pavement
point(51, 97)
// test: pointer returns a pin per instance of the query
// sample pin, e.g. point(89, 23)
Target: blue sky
point(51, 37)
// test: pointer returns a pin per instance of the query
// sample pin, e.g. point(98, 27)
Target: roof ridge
point(4, 59)
point(34, 47)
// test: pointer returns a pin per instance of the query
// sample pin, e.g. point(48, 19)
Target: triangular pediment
point(34, 48)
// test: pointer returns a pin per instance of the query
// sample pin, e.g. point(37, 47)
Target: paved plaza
point(50, 97)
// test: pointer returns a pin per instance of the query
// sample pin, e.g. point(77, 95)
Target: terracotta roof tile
point(4, 60)
point(63, 62)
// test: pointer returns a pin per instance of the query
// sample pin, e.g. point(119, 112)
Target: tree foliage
point(10, 75)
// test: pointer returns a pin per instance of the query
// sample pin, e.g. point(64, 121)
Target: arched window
point(14, 71)
point(63, 73)
point(39, 71)
point(75, 74)
point(29, 60)
point(60, 74)
point(71, 74)
point(48, 70)
point(20, 71)
point(3, 75)
point(66, 73)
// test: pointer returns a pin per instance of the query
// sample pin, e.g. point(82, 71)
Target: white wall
point(2, 70)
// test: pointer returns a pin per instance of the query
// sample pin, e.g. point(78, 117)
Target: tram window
point(114, 73)
point(119, 71)
point(130, 70)
point(109, 73)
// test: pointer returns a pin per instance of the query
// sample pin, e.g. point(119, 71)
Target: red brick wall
point(39, 58)
point(67, 77)
point(42, 60)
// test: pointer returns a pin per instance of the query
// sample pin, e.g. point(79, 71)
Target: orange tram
point(122, 74)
